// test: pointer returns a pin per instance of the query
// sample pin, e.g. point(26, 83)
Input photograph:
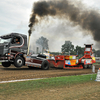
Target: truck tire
point(6, 64)
point(18, 62)
point(45, 65)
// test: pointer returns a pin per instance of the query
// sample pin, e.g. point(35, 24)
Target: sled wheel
point(85, 66)
point(89, 66)
point(45, 65)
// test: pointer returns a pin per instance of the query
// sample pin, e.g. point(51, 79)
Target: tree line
point(67, 48)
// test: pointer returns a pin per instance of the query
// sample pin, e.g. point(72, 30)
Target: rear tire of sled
point(6, 64)
point(45, 65)
point(90, 66)
point(85, 66)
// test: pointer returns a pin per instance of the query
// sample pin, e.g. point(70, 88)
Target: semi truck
point(13, 46)
point(13, 50)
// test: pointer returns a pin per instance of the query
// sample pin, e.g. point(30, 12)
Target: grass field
point(46, 83)
point(11, 90)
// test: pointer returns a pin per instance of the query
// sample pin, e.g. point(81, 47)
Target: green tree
point(67, 48)
point(97, 53)
point(79, 51)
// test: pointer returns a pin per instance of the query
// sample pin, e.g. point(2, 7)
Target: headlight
point(7, 54)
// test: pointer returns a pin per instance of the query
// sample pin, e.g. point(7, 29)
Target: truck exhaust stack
point(29, 41)
point(28, 45)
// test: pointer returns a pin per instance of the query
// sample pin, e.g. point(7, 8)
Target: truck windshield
point(5, 40)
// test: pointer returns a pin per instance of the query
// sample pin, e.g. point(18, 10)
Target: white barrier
point(93, 69)
point(98, 75)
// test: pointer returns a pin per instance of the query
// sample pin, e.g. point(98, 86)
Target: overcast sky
point(15, 14)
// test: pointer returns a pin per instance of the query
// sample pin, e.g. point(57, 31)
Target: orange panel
point(73, 62)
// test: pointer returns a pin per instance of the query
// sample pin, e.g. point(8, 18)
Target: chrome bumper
point(3, 60)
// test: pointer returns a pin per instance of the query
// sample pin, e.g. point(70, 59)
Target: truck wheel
point(45, 65)
point(6, 64)
point(18, 62)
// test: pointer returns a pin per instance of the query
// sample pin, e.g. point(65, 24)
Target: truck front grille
point(1, 50)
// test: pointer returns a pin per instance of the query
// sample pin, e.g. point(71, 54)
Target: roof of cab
point(11, 35)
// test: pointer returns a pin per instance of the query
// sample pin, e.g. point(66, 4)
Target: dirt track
point(12, 73)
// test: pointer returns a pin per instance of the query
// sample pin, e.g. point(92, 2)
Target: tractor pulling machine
point(14, 50)
point(72, 62)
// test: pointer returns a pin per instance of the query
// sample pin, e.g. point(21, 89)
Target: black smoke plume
point(87, 19)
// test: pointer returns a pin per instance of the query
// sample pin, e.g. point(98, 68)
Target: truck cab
point(13, 47)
